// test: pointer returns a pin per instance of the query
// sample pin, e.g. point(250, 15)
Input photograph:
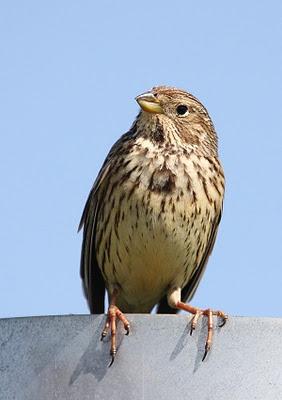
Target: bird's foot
point(114, 313)
point(209, 314)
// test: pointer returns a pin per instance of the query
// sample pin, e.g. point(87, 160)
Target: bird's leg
point(114, 313)
point(174, 301)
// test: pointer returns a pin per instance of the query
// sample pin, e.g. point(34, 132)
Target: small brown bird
point(151, 218)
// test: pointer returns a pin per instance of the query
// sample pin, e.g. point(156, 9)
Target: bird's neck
point(163, 134)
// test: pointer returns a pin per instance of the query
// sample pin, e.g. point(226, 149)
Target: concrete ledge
point(61, 357)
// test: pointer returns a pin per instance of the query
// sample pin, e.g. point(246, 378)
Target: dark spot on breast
point(162, 180)
point(158, 134)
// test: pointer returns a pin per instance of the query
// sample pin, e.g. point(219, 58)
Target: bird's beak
point(148, 102)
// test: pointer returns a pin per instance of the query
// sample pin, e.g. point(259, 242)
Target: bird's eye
point(182, 110)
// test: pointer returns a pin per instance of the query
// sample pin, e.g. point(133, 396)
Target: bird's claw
point(224, 319)
point(113, 354)
point(207, 348)
point(103, 335)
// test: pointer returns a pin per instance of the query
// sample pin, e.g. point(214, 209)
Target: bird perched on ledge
point(151, 218)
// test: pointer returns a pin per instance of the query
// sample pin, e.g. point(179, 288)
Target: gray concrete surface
point(61, 357)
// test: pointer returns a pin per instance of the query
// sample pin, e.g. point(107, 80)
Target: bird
point(152, 215)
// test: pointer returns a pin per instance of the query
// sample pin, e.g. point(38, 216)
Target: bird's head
point(179, 113)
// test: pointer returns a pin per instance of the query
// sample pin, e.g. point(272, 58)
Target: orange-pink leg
point(114, 313)
point(208, 313)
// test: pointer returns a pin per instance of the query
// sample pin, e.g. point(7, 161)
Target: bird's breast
point(156, 225)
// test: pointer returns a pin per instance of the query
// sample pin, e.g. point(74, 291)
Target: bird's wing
point(93, 281)
point(190, 288)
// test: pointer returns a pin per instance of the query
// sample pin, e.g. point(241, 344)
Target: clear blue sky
point(69, 73)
